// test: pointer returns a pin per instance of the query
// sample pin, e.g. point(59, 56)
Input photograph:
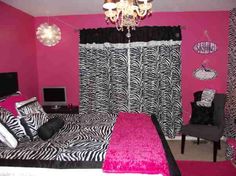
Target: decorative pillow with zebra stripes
point(32, 122)
point(13, 124)
point(7, 136)
point(29, 106)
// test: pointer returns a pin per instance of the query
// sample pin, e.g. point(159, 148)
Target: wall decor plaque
point(205, 47)
point(204, 74)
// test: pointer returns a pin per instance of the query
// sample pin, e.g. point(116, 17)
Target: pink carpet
point(202, 168)
point(135, 147)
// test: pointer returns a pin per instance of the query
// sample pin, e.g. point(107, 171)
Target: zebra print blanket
point(84, 138)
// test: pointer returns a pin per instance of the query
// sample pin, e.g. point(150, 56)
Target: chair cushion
point(208, 132)
point(202, 115)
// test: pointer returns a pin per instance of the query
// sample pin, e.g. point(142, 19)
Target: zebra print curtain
point(134, 77)
point(230, 109)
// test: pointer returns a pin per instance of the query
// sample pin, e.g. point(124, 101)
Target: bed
point(78, 148)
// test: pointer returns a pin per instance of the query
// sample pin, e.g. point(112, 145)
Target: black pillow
point(51, 127)
point(197, 96)
point(202, 115)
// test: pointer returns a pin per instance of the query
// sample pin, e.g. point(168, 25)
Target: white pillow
point(7, 138)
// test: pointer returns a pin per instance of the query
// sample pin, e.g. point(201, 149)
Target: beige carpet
point(194, 152)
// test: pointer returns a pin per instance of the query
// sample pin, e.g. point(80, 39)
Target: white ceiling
point(76, 7)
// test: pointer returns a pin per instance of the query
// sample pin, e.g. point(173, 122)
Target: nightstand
point(62, 109)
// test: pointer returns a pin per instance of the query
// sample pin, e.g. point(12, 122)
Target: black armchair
point(209, 132)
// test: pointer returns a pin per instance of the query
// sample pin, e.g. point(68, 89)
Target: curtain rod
point(181, 27)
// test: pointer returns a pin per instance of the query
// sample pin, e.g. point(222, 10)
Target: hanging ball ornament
point(48, 35)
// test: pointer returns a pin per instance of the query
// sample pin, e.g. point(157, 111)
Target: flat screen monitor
point(54, 96)
point(8, 83)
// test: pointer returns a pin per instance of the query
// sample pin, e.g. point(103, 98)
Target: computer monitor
point(54, 96)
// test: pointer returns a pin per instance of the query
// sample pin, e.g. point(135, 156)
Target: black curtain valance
point(145, 34)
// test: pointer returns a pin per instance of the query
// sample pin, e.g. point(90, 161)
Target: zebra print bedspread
point(82, 138)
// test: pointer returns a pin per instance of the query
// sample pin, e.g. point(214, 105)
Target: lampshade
point(48, 35)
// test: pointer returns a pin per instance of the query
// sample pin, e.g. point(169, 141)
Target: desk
point(62, 109)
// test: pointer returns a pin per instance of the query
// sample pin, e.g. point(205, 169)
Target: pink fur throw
point(135, 147)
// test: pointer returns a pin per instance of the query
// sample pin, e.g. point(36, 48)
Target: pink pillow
point(10, 103)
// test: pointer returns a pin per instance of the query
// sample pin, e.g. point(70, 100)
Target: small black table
point(62, 109)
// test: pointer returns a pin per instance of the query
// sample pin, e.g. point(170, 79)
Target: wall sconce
point(48, 35)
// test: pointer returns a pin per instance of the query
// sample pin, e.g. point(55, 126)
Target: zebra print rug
point(82, 138)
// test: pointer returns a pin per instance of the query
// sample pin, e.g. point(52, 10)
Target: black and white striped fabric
point(32, 122)
point(82, 138)
point(13, 124)
point(29, 106)
point(7, 136)
point(230, 107)
point(206, 98)
point(135, 77)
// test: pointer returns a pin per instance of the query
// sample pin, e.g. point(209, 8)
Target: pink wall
point(17, 46)
point(58, 66)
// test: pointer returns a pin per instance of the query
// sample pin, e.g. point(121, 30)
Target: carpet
point(204, 168)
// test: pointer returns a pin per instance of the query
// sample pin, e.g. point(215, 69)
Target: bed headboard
point(8, 83)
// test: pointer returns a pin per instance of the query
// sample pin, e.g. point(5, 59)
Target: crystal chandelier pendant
point(48, 35)
point(128, 35)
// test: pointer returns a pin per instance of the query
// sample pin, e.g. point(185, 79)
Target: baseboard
point(190, 138)
point(179, 138)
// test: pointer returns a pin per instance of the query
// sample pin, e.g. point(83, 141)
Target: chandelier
point(48, 35)
point(126, 13)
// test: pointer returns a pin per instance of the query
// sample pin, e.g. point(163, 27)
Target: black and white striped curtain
point(133, 77)
point(230, 108)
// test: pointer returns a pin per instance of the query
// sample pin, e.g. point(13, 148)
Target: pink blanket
point(135, 147)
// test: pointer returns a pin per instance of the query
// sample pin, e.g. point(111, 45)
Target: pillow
point(6, 136)
point(13, 124)
point(32, 122)
point(51, 127)
point(9, 103)
point(206, 98)
point(29, 106)
point(202, 115)
point(197, 95)
point(3, 98)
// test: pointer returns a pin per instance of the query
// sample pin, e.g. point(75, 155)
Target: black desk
point(62, 109)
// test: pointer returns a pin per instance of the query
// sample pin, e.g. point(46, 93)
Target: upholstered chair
point(212, 132)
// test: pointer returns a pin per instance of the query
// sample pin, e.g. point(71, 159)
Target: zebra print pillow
point(7, 136)
point(13, 124)
point(32, 122)
point(29, 106)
